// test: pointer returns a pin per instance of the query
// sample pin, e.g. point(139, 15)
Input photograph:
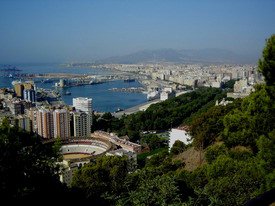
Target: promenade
point(140, 107)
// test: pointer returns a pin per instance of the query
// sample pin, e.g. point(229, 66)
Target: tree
point(56, 148)
point(101, 180)
point(178, 147)
point(154, 141)
point(267, 63)
point(232, 182)
point(161, 190)
point(207, 128)
point(27, 167)
point(255, 117)
point(212, 152)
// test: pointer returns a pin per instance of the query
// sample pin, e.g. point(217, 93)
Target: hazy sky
point(82, 30)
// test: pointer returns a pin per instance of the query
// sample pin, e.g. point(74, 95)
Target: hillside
point(206, 56)
point(192, 158)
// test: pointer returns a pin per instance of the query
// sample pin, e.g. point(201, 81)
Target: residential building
point(29, 95)
point(83, 103)
point(25, 123)
point(81, 124)
point(45, 124)
point(61, 121)
point(19, 87)
point(15, 106)
point(32, 114)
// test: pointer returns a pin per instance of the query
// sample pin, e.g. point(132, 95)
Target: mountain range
point(180, 56)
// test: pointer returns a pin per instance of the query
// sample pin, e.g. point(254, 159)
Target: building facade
point(45, 124)
point(81, 124)
point(19, 88)
point(25, 123)
point(29, 95)
point(61, 121)
point(83, 103)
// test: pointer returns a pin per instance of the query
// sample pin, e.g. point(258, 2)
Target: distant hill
point(180, 56)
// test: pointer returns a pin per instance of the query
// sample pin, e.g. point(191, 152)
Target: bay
point(104, 100)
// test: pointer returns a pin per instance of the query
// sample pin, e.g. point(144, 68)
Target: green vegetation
point(207, 127)
point(267, 63)
point(27, 168)
point(101, 180)
point(229, 85)
point(178, 147)
point(141, 158)
point(154, 141)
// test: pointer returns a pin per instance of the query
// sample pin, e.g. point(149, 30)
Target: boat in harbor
point(47, 81)
point(67, 93)
point(96, 82)
point(119, 110)
point(129, 80)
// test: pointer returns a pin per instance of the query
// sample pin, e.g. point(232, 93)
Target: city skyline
point(65, 31)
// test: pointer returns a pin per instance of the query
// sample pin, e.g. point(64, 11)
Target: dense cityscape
point(137, 103)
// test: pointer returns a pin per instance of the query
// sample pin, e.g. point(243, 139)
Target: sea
point(104, 100)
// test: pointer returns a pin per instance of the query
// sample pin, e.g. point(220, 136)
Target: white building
point(168, 89)
point(216, 84)
point(179, 134)
point(68, 169)
point(239, 85)
point(223, 102)
point(83, 103)
point(29, 95)
point(167, 93)
point(120, 152)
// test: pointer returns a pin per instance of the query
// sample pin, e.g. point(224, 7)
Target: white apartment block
point(83, 103)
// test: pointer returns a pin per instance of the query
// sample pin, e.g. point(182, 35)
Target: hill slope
point(180, 56)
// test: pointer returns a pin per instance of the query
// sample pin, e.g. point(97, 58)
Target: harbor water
point(104, 100)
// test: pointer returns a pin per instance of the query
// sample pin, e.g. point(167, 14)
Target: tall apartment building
point(29, 95)
point(16, 106)
point(61, 121)
point(81, 124)
point(19, 87)
point(45, 124)
point(25, 123)
point(83, 103)
point(32, 114)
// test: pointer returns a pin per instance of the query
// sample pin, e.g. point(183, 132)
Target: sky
point(86, 30)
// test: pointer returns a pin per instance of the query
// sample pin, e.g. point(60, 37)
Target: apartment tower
point(61, 121)
point(45, 124)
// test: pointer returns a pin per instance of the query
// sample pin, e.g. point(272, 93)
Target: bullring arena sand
point(75, 156)
point(80, 151)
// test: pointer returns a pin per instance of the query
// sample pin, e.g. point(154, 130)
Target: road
point(135, 108)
